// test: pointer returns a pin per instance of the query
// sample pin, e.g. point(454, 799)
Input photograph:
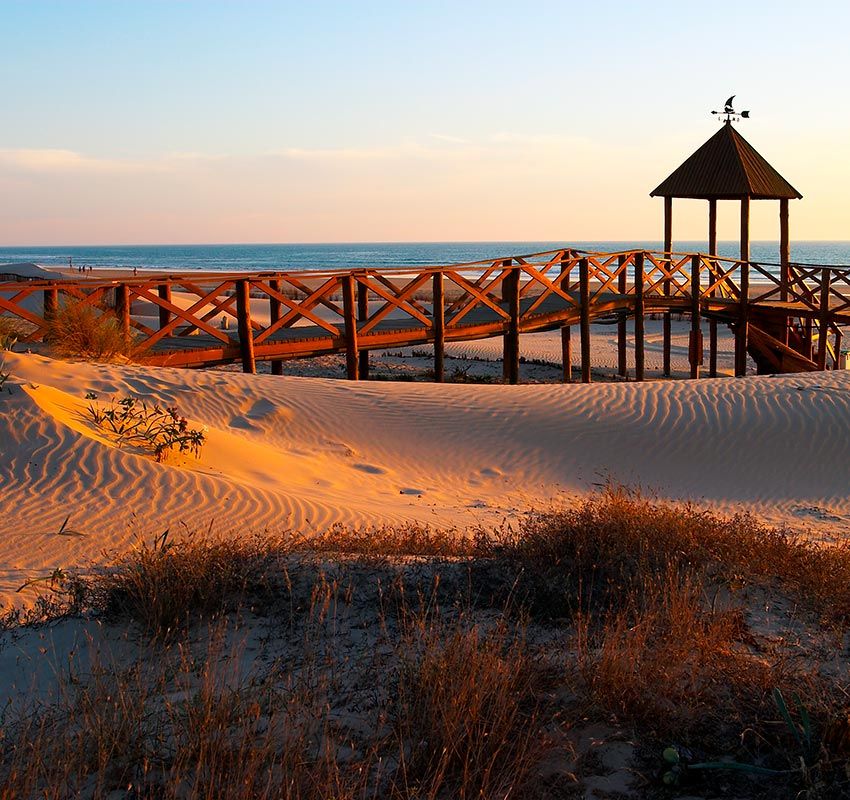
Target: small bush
point(80, 330)
point(151, 427)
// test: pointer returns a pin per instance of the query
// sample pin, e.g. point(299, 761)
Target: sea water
point(274, 257)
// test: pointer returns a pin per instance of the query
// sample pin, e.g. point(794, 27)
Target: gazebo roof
point(726, 167)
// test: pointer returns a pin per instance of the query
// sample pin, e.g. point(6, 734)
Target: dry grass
point(648, 602)
point(80, 330)
point(612, 545)
point(167, 585)
point(12, 329)
point(468, 715)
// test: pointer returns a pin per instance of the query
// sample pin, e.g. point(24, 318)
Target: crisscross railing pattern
point(191, 319)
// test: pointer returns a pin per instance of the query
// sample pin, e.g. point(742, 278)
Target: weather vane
point(730, 113)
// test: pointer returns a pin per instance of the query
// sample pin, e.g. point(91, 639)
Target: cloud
point(51, 161)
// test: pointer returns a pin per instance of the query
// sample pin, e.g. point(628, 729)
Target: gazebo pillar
point(712, 323)
point(784, 258)
point(668, 247)
point(741, 330)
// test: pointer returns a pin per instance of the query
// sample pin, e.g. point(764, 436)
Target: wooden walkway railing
point(200, 319)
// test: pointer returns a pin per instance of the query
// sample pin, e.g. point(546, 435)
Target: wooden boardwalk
point(786, 323)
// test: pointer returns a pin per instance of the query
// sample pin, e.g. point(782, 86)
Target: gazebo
point(727, 167)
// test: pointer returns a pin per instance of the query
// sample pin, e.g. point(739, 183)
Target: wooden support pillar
point(823, 320)
point(51, 306)
point(510, 370)
point(695, 344)
point(274, 316)
point(349, 310)
point(743, 309)
point(639, 354)
point(808, 344)
point(784, 260)
point(836, 362)
point(584, 299)
point(712, 323)
point(567, 354)
point(668, 247)
point(784, 250)
point(122, 308)
point(243, 319)
point(362, 316)
point(438, 314)
point(164, 292)
point(622, 331)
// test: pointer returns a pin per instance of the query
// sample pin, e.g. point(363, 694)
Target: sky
point(190, 122)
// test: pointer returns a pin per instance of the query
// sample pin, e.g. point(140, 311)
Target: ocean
point(266, 257)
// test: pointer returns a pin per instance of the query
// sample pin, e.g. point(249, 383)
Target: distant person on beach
point(135, 272)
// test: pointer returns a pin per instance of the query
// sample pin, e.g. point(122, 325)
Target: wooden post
point(743, 310)
point(122, 308)
point(243, 319)
point(639, 354)
point(622, 288)
point(668, 247)
point(362, 316)
point(567, 353)
point(349, 309)
point(274, 316)
point(164, 292)
point(823, 322)
point(695, 344)
point(784, 250)
point(584, 295)
point(438, 314)
point(712, 323)
point(836, 362)
point(51, 306)
point(511, 341)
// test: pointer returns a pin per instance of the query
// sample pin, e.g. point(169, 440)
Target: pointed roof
point(726, 167)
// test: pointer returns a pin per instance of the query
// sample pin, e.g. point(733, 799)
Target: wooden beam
point(164, 292)
point(246, 334)
point(639, 354)
point(668, 247)
point(349, 310)
point(362, 316)
point(584, 325)
point(274, 316)
point(438, 315)
point(743, 309)
point(622, 322)
point(567, 354)
point(510, 290)
point(695, 344)
point(712, 323)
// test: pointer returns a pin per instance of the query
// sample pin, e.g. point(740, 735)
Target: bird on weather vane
point(729, 112)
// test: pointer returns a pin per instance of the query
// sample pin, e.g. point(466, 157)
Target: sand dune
point(302, 454)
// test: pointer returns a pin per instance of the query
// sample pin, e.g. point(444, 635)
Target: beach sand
point(292, 454)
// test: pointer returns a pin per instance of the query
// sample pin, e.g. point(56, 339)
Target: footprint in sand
point(244, 424)
point(490, 472)
point(370, 468)
point(412, 492)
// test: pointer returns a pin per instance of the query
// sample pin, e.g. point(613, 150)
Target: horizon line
point(403, 242)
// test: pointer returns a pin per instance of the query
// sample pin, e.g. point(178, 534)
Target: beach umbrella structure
point(727, 167)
